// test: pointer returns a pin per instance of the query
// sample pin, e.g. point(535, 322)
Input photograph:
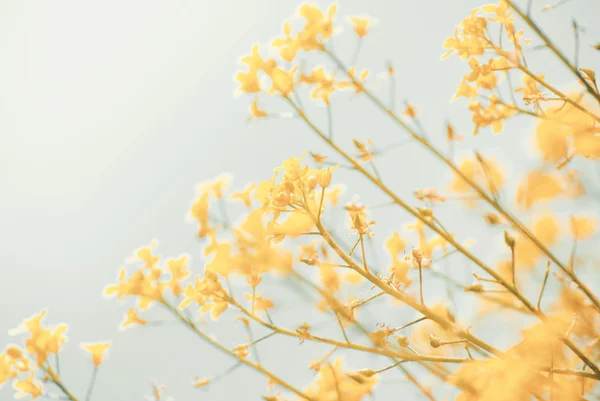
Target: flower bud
point(477, 287)
point(367, 372)
point(434, 341)
point(492, 219)
point(324, 177)
point(509, 240)
point(425, 212)
point(402, 341)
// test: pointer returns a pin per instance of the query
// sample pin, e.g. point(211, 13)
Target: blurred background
point(111, 113)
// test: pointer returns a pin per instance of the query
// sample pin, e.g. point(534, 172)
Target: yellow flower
point(324, 176)
point(218, 186)
point(29, 386)
point(12, 363)
point(260, 303)
point(282, 81)
point(547, 231)
point(502, 11)
point(469, 37)
point(395, 245)
point(317, 28)
point(538, 186)
point(179, 272)
point(356, 83)
point(42, 341)
point(132, 318)
point(318, 158)
point(365, 151)
point(491, 180)
point(332, 384)
point(255, 111)
point(465, 90)
point(324, 84)
point(249, 81)
point(143, 285)
point(410, 111)
point(207, 293)
point(583, 228)
point(334, 194)
point(245, 195)
point(200, 212)
point(97, 351)
point(145, 254)
point(568, 131)
point(198, 382)
point(361, 25)
point(288, 45)
point(530, 86)
point(358, 219)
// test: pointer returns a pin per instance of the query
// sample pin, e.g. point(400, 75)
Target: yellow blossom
point(201, 382)
point(489, 177)
point(318, 158)
point(324, 84)
point(97, 351)
point(12, 363)
point(260, 303)
point(583, 228)
point(538, 186)
point(42, 341)
point(282, 81)
point(361, 25)
point(132, 318)
point(356, 83)
point(547, 230)
point(365, 151)
point(332, 384)
point(255, 111)
point(245, 195)
point(28, 387)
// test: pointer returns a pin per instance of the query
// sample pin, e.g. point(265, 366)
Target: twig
point(539, 300)
point(88, 395)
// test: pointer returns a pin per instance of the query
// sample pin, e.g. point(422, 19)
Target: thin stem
point(257, 367)
point(559, 93)
point(413, 380)
point(526, 232)
point(513, 266)
point(554, 49)
point(410, 323)
point(539, 301)
point(56, 380)
point(357, 50)
point(576, 32)
point(349, 345)
point(447, 238)
point(573, 250)
point(321, 203)
point(392, 99)
point(224, 215)
point(88, 395)
point(329, 121)
point(421, 284)
point(342, 327)
point(253, 343)
point(362, 250)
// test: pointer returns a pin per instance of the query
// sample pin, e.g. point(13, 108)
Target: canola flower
point(286, 233)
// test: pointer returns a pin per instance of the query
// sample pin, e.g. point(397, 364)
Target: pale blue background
point(111, 112)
